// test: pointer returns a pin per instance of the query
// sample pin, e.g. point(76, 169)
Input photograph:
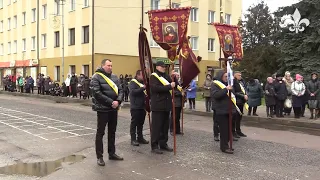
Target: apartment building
point(32, 34)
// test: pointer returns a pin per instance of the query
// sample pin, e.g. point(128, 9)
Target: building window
point(56, 8)
point(1, 49)
point(57, 73)
point(1, 25)
point(152, 42)
point(228, 19)
point(85, 70)
point(44, 40)
point(33, 43)
point(155, 4)
point(211, 17)
point(33, 15)
point(194, 42)
point(9, 47)
point(15, 22)
point(72, 69)
point(1, 4)
point(85, 3)
point(24, 44)
point(72, 5)
point(44, 11)
point(57, 39)
point(85, 34)
point(194, 14)
point(175, 5)
point(15, 47)
point(23, 18)
point(72, 36)
point(9, 24)
point(211, 45)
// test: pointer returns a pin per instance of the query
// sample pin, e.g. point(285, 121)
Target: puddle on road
point(39, 169)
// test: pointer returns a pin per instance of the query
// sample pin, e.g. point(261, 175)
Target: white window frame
point(9, 24)
point(15, 44)
point(9, 48)
point(85, 3)
point(56, 8)
point(194, 14)
point(155, 4)
point(175, 5)
point(33, 43)
point(34, 15)
point(44, 41)
point(1, 4)
point(15, 21)
point(72, 5)
point(70, 37)
point(211, 45)
point(24, 18)
point(24, 45)
point(153, 43)
point(227, 18)
point(57, 39)
point(194, 41)
point(44, 11)
point(211, 16)
point(1, 49)
point(1, 25)
point(56, 74)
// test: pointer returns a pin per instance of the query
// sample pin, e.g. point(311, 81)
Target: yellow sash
point(179, 88)
point(110, 82)
point(162, 80)
point(246, 106)
point(233, 98)
point(140, 85)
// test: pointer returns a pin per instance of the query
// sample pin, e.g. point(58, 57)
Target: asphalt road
point(33, 130)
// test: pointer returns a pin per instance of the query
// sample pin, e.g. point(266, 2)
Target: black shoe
point(228, 151)
point(115, 157)
point(216, 138)
point(235, 139)
point(241, 134)
point(101, 162)
point(142, 141)
point(236, 135)
point(255, 114)
point(156, 151)
point(134, 143)
point(166, 148)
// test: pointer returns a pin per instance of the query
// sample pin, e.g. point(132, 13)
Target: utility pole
point(92, 41)
point(221, 21)
point(62, 8)
point(38, 37)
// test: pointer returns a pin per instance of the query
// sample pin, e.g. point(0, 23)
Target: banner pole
point(173, 117)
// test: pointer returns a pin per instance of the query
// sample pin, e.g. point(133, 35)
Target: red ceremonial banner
point(230, 40)
point(169, 28)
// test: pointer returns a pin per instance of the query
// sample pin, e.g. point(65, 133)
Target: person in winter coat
point(30, 82)
point(80, 85)
point(206, 93)
point(86, 88)
point(298, 89)
point(220, 106)
point(313, 92)
point(47, 83)
point(178, 94)
point(270, 97)
point(73, 84)
point(126, 88)
point(255, 93)
point(21, 83)
point(288, 81)
point(67, 82)
point(281, 95)
point(191, 94)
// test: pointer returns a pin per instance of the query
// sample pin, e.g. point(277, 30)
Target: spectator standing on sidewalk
point(298, 89)
point(206, 92)
point(281, 95)
point(107, 97)
point(74, 84)
point(241, 98)
point(21, 83)
point(255, 94)
point(67, 82)
point(313, 91)
point(270, 98)
point(191, 94)
point(288, 81)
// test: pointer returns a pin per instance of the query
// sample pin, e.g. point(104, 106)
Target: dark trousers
point(104, 119)
point(192, 103)
point(215, 125)
point(224, 130)
point(237, 120)
point(42, 90)
point(138, 117)
point(269, 110)
point(31, 89)
point(160, 128)
point(21, 89)
point(39, 90)
point(74, 90)
point(254, 110)
point(279, 107)
point(177, 116)
point(208, 104)
point(67, 91)
point(303, 109)
point(297, 111)
point(126, 96)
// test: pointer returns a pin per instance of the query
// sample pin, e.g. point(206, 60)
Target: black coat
point(102, 92)
point(177, 95)
point(313, 87)
point(280, 90)
point(238, 92)
point(137, 96)
point(160, 95)
point(73, 81)
point(270, 95)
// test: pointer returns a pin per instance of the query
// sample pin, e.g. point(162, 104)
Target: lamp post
point(62, 31)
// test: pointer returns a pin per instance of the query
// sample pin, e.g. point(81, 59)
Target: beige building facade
point(31, 34)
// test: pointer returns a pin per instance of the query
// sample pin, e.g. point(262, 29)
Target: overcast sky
point(273, 4)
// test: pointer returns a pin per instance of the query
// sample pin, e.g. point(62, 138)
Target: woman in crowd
point(206, 94)
point(313, 92)
point(255, 93)
point(298, 89)
point(191, 94)
point(288, 81)
point(270, 97)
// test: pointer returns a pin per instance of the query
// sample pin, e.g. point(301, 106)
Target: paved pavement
point(34, 130)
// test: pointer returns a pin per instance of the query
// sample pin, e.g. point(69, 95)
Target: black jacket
point(270, 96)
point(238, 92)
point(137, 96)
point(160, 95)
point(103, 94)
point(220, 99)
point(280, 90)
point(177, 95)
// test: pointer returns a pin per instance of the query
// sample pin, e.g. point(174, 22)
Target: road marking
point(47, 125)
